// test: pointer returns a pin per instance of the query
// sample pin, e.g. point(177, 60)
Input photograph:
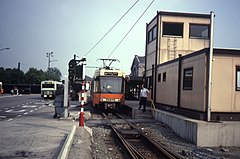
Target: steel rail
point(133, 152)
point(167, 153)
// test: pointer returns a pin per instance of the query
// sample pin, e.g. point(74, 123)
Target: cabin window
point(164, 77)
point(159, 77)
point(152, 34)
point(173, 29)
point(188, 79)
point(238, 78)
point(199, 31)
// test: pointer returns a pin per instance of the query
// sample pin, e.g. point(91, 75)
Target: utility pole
point(18, 71)
point(49, 55)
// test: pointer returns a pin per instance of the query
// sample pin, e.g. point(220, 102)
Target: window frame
point(186, 81)
point(238, 78)
point(159, 77)
point(198, 37)
point(172, 35)
point(164, 78)
point(152, 34)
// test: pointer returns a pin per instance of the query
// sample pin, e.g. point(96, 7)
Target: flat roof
point(181, 14)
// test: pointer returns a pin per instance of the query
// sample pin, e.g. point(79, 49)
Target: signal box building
point(177, 65)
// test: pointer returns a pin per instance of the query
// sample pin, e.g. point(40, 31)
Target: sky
point(32, 28)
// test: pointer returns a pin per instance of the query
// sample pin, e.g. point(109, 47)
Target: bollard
point(81, 115)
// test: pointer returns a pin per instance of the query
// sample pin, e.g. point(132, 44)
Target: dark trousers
point(143, 101)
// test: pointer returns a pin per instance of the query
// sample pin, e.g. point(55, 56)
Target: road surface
point(27, 127)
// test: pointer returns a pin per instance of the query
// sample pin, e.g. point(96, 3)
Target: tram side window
point(97, 86)
point(238, 78)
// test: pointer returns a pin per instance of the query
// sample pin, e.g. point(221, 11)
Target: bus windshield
point(47, 85)
point(111, 84)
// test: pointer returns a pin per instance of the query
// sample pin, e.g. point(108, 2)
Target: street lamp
point(4, 49)
point(49, 55)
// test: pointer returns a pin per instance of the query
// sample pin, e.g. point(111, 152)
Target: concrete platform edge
point(201, 133)
point(67, 144)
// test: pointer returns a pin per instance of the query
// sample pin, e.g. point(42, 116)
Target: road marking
point(10, 119)
point(29, 106)
point(26, 113)
point(36, 109)
point(19, 116)
point(10, 110)
point(15, 111)
point(31, 111)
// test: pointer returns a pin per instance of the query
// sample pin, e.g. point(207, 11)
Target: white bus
point(48, 88)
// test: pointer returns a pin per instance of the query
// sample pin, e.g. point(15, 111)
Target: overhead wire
point(130, 29)
point(111, 28)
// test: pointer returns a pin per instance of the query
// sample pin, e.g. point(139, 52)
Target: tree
point(54, 74)
point(11, 76)
point(34, 76)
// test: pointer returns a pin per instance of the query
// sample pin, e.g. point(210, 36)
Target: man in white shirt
point(143, 97)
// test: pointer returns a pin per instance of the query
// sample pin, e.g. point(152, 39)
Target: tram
point(107, 89)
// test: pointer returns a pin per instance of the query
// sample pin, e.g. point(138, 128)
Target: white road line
point(10, 110)
point(10, 119)
point(16, 111)
point(36, 109)
point(19, 116)
point(26, 113)
point(29, 106)
point(31, 111)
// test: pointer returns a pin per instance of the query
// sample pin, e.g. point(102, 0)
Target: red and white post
point(81, 117)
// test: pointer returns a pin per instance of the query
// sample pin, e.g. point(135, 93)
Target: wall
point(167, 91)
point(195, 98)
point(225, 98)
point(184, 45)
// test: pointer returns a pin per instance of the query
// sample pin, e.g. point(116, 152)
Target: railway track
point(138, 145)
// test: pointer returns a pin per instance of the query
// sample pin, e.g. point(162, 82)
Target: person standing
point(143, 97)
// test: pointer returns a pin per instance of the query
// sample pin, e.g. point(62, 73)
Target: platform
point(201, 133)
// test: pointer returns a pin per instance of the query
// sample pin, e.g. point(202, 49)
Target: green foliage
point(54, 74)
point(32, 76)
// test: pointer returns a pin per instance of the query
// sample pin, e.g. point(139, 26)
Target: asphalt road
point(28, 130)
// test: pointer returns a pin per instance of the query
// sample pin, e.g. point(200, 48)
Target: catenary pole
point(210, 68)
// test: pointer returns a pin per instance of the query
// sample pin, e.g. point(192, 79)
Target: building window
point(164, 77)
point(188, 79)
point(238, 78)
point(159, 77)
point(149, 82)
point(199, 31)
point(173, 29)
point(152, 34)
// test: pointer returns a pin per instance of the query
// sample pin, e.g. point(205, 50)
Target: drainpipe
point(210, 68)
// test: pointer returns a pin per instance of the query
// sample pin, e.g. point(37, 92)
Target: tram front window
point(111, 84)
